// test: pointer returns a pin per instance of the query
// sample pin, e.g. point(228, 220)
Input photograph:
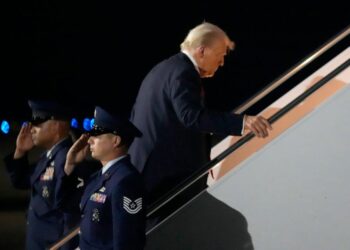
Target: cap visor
point(95, 132)
point(37, 121)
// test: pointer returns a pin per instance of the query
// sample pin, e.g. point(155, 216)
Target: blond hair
point(204, 35)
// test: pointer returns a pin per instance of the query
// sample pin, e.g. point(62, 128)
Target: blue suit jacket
point(170, 113)
point(113, 213)
point(46, 223)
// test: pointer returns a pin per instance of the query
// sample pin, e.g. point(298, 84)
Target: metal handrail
point(206, 168)
point(65, 239)
point(292, 71)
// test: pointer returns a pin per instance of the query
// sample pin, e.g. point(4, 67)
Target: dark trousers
point(173, 205)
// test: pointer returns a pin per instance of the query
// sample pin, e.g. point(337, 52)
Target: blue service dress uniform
point(45, 222)
point(112, 209)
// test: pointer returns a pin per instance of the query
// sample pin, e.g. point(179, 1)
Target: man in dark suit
point(49, 129)
point(112, 206)
point(170, 113)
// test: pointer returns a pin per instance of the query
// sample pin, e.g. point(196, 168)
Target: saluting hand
point(24, 141)
point(77, 153)
point(258, 125)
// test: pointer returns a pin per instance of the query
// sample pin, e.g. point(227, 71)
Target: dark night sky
point(98, 52)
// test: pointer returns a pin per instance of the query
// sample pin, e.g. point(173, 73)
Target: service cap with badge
point(43, 111)
point(106, 122)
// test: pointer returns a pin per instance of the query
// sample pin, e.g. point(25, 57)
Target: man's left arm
point(129, 214)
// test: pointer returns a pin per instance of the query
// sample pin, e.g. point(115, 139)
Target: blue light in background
point(74, 123)
point(92, 122)
point(5, 127)
point(87, 124)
